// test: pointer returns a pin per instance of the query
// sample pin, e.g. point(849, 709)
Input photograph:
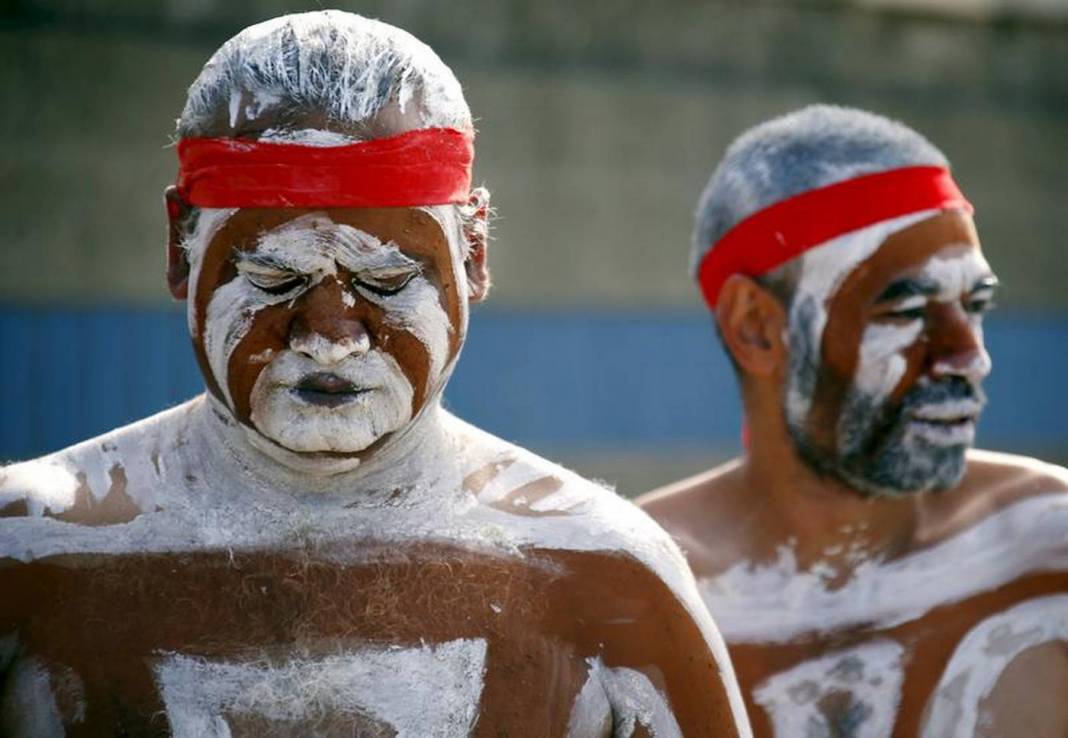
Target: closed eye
point(383, 282)
point(278, 283)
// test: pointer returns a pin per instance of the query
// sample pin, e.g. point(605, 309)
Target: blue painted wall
point(584, 381)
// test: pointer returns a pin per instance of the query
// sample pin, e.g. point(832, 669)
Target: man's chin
point(907, 471)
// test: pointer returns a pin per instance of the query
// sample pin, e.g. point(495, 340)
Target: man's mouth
point(326, 390)
point(951, 422)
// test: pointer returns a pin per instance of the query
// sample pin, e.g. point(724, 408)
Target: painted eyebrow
point(392, 258)
point(907, 288)
point(260, 260)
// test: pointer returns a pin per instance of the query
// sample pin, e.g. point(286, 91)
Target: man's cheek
point(263, 341)
point(414, 360)
point(888, 359)
point(417, 312)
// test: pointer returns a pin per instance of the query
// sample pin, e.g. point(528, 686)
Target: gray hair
point(366, 77)
point(807, 149)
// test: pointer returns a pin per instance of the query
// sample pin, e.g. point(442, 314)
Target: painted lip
point(326, 390)
point(949, 414)
point(949, 431)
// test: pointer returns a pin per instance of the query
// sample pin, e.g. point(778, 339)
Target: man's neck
point(822, 518)
point(417, 458)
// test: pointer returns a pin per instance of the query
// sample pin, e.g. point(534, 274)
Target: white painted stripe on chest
point(777, 602)
point(868, 676)
point(421, 692)
point(981, 657)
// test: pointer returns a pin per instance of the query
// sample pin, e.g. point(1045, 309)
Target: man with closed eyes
point(315, 547)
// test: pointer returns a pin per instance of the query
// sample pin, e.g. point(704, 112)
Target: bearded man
point(315, 547)
point(872, 575)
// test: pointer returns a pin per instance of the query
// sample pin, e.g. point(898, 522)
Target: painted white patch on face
point(418, 692)
point(383, 406)
point(981, 658)
point(305, 252)
point(778, 602)
point(852, 693)
point(209, 221)
point(823, 269)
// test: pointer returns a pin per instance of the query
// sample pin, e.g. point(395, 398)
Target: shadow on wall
point(575, 383)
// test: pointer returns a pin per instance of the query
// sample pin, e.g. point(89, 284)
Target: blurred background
point(599, 122)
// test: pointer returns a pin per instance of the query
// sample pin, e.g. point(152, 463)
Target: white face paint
point(918, 442)
point(823, 269)
point(882, 361)
point(289, 260)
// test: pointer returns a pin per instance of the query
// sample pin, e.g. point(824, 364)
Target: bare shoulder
point(106, 479)
point(1006, 478)
point(701, 514)
point(546, 505)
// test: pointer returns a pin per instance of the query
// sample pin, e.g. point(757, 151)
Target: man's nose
point(956, 343)
point(327, 328)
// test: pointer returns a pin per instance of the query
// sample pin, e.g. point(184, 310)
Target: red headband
point(785, 230)
point(425, 167)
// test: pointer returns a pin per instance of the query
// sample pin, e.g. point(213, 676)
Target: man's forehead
point(416, 231)
point(887, 249)
point(940, 250)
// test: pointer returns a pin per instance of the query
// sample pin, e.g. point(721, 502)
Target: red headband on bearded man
point(424, 167)
point(773, 236)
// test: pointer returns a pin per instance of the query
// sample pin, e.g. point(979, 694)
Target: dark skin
point(322, 309)
point(744, 510)
point(100, 621)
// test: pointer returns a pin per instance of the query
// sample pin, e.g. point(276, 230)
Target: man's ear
point(476, 233)
point(178, 212)
point(751, 321)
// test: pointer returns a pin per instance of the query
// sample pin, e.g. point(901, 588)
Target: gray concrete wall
point(599, 123)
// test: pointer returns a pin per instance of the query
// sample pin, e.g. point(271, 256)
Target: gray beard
point(874, 453)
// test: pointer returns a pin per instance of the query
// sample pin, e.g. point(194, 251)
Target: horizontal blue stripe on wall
point(562, 380)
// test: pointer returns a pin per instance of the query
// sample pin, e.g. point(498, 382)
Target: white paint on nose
point(328, 351)
point(976, 368)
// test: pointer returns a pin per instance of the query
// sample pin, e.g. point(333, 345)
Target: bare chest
point(430, 640)
point(975, 667)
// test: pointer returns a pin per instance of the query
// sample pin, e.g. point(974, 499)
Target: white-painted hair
point(807, 149)
point(350, 68)
point(365, 79)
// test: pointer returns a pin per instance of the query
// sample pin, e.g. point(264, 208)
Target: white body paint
point(625, 697)
point(871, 676)
point(204, 488)
point(29, 707)
point(777, 602)
point(426, 691)
point(981, 658)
